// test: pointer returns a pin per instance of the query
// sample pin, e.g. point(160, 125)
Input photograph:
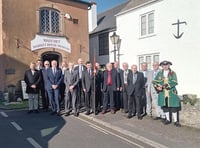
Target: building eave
point(137, 7)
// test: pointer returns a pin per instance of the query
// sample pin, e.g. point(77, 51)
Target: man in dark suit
point(39, 67)
point(135, 91)
point(80, 68)
point(110, 84)
point(71, 80)
point(32, 80)
point(54, 78)
point(98, 90)
point(45, 102)
point(88, 87)
point(118, 93)
point(124, 85)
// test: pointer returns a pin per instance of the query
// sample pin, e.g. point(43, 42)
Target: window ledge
point(147, 36)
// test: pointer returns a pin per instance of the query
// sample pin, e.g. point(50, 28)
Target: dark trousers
point(108, 96)
point(54, 99)
point(125, 98)
point(62, 94)
point(134, 105)
point(98, 99)
point(44, 96)
point(88, 100)
point(80, 95)
point(118, 100)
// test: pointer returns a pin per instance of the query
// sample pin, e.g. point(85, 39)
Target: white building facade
point(158, 30)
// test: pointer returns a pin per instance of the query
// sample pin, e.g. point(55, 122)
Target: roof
point(107, 19)
point(133, 4)
point(82, 1)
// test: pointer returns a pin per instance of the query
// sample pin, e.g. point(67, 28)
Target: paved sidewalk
point(150, 131)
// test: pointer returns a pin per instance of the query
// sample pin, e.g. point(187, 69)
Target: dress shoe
point(177, 124)
point(58, 114)
point(166, 122)
point(129, 116)
point(112, 111)
point(103, 112)
point(76, 114)
point(67, 113)
point(30, 111)
point(87, 113)
point(139, 117)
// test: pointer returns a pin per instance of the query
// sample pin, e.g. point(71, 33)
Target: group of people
point(133, 92)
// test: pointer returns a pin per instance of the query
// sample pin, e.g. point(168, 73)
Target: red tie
point(109, 80)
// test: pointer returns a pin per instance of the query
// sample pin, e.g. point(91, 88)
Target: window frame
point(152, 59)
point(149, 24)
point(59, 23)
point(103, 44)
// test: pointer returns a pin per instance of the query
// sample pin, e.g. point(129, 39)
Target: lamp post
point(118, 48)
point(114, 39)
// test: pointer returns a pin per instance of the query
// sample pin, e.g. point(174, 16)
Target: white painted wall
point(184, 52)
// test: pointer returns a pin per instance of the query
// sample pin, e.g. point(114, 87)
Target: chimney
point(92, 16)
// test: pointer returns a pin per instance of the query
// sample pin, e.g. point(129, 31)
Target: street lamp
point(118, 48)
point(114, 39)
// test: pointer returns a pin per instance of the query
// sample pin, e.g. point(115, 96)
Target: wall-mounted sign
point(25, 95)
point(178, 35)
point(43, 41)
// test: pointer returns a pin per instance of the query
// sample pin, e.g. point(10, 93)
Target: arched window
point(49, 21)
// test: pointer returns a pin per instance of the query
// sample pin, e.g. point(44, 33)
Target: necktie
point(109, 79)
point(80, 71)
point(54, 71)
point(125, 77)
point(134, 78)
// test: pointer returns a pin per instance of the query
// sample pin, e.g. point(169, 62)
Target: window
point(49, 21)
point(103, 44)
point(149, 59)
point(147, 24)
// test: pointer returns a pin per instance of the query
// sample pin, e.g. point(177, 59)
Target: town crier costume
point(165, 83)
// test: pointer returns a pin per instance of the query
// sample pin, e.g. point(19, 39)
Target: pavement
point(150, 131)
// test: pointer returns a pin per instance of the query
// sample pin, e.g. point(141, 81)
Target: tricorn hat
point(165, 63)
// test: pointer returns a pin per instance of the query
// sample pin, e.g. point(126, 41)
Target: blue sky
point(103, 5)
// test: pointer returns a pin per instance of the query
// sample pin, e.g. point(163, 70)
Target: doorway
point(49, 56)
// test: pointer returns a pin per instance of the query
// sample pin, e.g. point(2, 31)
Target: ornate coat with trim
point(169, 89)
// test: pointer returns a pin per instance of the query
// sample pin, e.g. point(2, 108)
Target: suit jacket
point(99, 81)
point(71, 79)
point(44, 77)
point(77, 68)
point(119, 73)
point(150, 78)
point(88, 80)
point(53, 79)
point(115, 80)
point(31, 79)
point(137, 88)
point(122, 79)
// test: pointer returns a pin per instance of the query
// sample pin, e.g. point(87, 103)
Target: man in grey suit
point(157, 112)
point(135, 91)
point(88, 87)
point(71, 80)
point(54, 78)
